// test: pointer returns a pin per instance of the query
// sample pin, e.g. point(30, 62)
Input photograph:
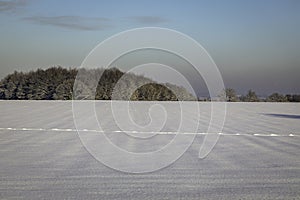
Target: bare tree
point(231, 95)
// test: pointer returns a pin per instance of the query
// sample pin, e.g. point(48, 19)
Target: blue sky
point(255, 44)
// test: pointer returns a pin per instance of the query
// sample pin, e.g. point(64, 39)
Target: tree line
point(251, 96)
point(57, 83)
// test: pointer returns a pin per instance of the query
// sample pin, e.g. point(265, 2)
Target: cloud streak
point(149, 20)
point(13, 5)
point(72, 22)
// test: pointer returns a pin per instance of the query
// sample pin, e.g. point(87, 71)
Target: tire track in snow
point(149, 132)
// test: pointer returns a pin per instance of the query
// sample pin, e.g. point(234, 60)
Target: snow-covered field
point(256, 157)
point(243, 118)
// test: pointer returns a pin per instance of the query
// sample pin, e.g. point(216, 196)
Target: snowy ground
point(256, 157)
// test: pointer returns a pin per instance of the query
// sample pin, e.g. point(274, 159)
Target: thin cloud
point(72, 22)
point(12, 5)
point(149, 20)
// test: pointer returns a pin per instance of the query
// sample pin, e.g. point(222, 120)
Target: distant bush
point(151, 91)
point(275, 97)
point(293, 98)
